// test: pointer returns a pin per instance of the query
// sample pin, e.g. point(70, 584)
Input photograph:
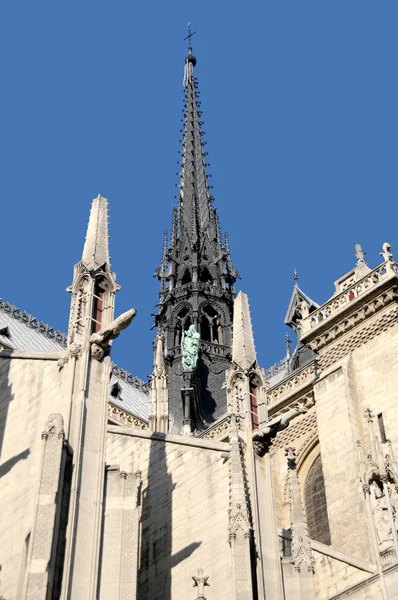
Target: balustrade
point(352, 292)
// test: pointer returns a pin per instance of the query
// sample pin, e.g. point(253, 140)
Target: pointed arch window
point(210, 325)
point(183, 322)
point(205, 276)
point(187, 277)
point(315, 503)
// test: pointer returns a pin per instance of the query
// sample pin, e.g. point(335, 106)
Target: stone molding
point(359, 337)
point(125, 418)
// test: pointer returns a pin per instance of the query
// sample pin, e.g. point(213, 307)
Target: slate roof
point(27, 333)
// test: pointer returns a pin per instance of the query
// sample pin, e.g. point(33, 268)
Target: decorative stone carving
point(302, 556)
point(381, 516)
point(75, 349)
point(190, 348)
point(386, 254)
point(97, 352)
point(125, 418)
point(379, 479)
point(262, 438)
point(200, 581)
point(100, 340)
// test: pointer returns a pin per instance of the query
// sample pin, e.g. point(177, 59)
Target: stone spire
point(243, 350)
point(96, 247)
point(196, 280)
point(158, 405)
point(94, 284)
point(195, 226)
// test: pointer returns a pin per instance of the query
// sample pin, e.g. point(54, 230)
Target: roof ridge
point(59, 337)
point(32, 322)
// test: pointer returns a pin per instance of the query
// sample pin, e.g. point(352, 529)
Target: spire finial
point(189, 38)
point(295, 276)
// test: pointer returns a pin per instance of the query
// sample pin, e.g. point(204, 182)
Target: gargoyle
point(100, 340)
point(262, 437)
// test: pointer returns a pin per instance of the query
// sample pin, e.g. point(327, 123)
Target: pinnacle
point(243, 350)
point(96, 247)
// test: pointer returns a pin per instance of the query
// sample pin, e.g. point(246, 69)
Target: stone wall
point(366, 377)
point(29, 392)
point(183, 515)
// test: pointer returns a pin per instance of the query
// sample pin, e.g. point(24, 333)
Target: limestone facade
point(226, 482)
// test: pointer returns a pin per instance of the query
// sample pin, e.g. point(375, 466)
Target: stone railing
point(194, 286)
point(339, 303)
point(293, 384)
point(124, 418)
point(218, 431)
point(205, 347)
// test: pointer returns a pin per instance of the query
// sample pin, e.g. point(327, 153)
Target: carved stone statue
point(190, 348)
point(381, 517)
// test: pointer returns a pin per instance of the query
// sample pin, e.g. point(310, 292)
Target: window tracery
point(315, 503)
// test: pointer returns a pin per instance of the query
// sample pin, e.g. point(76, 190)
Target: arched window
point(210, 325)
point(186, 278)
point(183, 322)
point(315, 504)
point(205, 276)
point(205, 329)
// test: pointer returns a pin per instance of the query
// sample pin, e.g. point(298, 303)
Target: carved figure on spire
point(190, 348)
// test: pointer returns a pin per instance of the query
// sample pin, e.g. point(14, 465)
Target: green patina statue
point(190, 348)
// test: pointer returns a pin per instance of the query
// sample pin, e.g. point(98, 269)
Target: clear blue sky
point(300, 104)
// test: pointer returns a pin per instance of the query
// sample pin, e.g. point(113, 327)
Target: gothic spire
point(196, 220)
point(96, 247)
point(196, 280)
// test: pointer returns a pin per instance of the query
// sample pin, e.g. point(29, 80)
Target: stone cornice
point(358, 314)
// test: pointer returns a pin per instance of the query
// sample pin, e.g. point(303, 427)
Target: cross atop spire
point(189, 38)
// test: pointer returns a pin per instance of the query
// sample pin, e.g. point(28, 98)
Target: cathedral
point(218, 479)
